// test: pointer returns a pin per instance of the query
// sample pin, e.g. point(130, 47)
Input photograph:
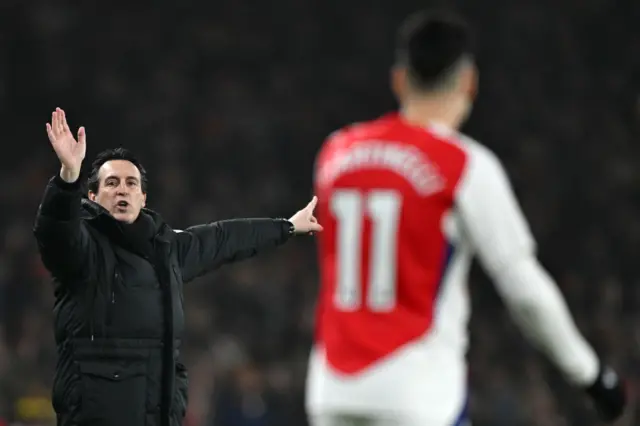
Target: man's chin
point(125, 217)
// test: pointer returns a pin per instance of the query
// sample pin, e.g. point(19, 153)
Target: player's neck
point(434, 110)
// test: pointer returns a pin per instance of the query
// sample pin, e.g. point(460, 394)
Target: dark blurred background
point(226, 104)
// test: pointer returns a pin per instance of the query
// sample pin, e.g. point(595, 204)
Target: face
point(120, 190)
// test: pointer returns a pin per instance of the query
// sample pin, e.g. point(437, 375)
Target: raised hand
point(304, 222)
point(70, 151)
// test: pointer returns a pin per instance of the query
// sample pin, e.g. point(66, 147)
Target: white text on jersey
point(407, 161)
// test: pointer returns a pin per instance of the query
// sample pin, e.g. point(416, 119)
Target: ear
point(92, 196)
point(144, 199)
point(399, 82)
point(470, 81)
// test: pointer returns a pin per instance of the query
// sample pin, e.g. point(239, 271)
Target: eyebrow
point(116, 177)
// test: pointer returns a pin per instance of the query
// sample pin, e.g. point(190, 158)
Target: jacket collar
point(100, 218)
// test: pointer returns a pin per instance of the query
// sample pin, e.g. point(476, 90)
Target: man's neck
point(443, 111)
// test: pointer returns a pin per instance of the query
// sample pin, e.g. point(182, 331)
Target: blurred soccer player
point(406, 201)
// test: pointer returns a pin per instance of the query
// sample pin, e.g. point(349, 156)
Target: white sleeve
point(500, 235)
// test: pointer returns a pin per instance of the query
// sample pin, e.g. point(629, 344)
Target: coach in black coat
point(118, 272)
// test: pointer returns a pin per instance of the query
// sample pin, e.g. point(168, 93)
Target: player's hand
point(609, 395)
point(70, 151)
point(304, 222)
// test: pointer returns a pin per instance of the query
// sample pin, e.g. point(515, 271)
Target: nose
point(122, 189)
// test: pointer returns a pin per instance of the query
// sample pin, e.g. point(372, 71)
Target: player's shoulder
point(483, 168)
point(457, 140)
point(479, 156)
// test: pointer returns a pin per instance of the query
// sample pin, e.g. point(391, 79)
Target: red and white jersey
point(404, 208)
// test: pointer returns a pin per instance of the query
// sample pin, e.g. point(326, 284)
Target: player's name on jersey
point(407, 161)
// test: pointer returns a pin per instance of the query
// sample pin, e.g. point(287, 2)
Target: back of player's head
point(432, 46)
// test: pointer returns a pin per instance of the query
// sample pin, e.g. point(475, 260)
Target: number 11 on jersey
point(382, 207)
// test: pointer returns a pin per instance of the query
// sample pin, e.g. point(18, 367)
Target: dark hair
point(93, 182)
point(429, 44)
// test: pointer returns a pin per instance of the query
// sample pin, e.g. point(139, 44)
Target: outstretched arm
point(203, 248)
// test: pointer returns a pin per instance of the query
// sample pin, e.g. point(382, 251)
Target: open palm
point(69, 151)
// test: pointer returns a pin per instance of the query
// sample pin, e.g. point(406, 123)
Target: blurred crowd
point(226, 104)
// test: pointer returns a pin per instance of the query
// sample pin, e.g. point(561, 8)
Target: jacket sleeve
point(203, 248)
point(66, 247)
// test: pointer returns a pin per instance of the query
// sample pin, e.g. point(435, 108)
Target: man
point(118, 271)
point(406, 201)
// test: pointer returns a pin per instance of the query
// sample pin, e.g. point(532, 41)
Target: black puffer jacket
point(119, 304)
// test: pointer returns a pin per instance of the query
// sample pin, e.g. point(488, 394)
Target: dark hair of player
point(431, 46)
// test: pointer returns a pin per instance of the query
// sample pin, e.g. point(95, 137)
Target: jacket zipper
point(113, 292)
point(111, 307)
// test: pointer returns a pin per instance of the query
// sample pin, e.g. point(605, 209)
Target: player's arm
point(500, 234)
